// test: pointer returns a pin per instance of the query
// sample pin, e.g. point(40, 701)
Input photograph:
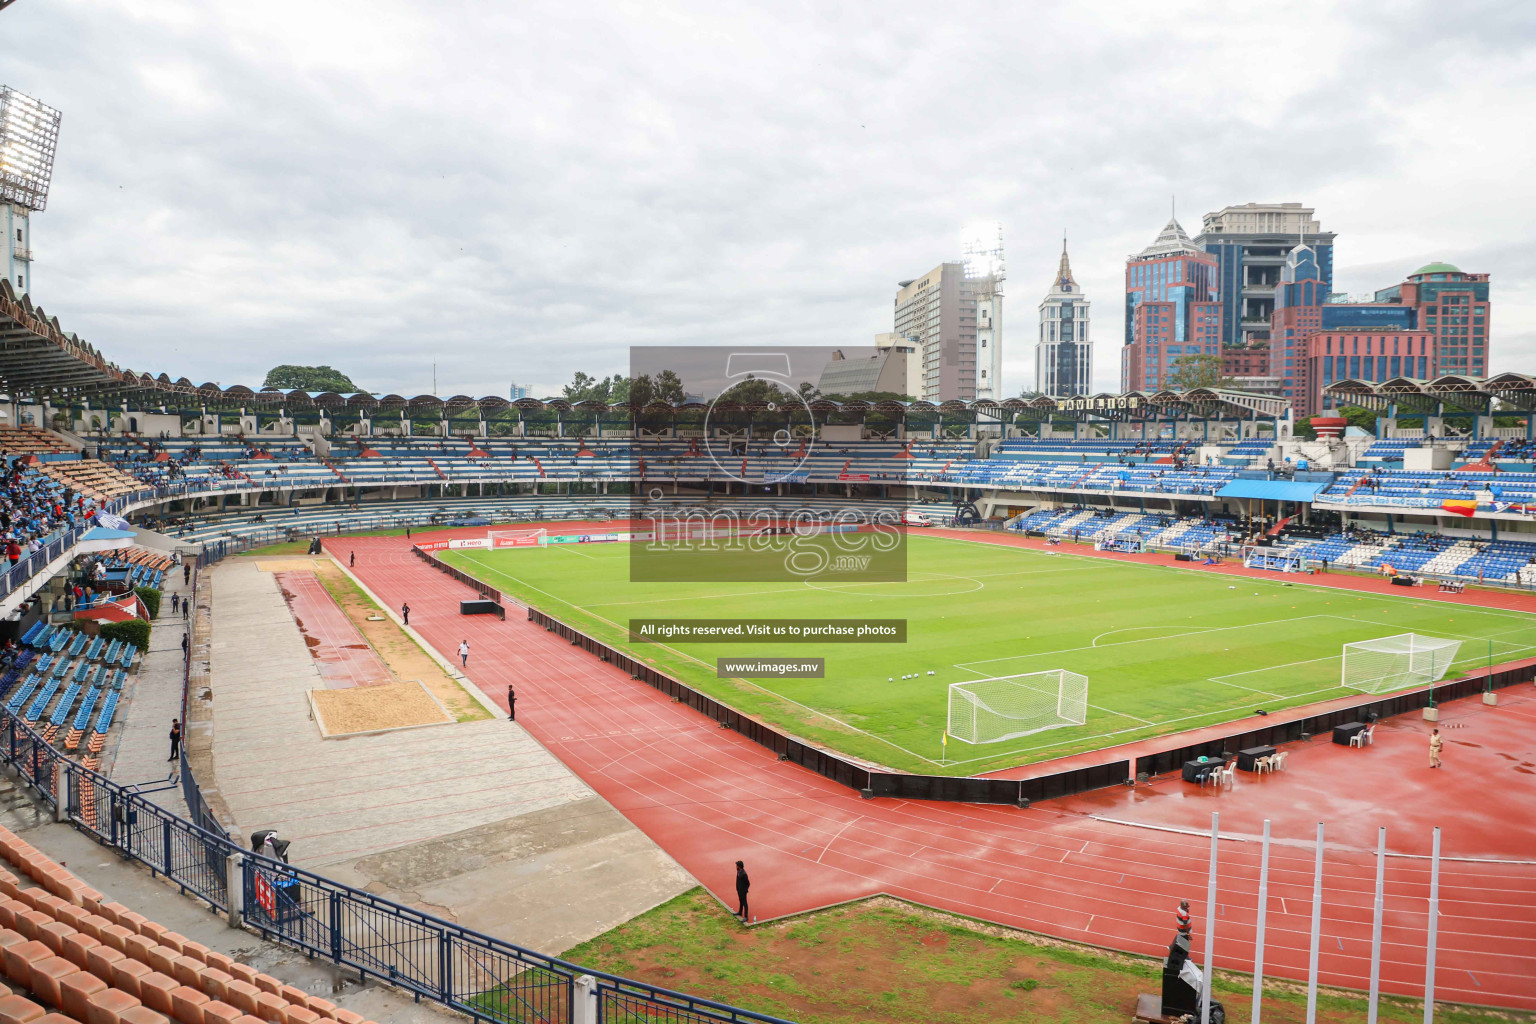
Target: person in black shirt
point(743, 883)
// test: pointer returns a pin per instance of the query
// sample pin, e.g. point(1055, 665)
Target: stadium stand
point(1427, 489)
point(73, 955)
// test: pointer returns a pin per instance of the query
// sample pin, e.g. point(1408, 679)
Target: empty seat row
point(101, 963)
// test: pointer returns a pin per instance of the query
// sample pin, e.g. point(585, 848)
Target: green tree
point(870, 396)
point(291, 377)
point(1353, 415)
point(151, 598)
point(669, 387)
point(1198, 371)
point(134, 631)
point(1365, 419)
point(586, 388)
point(754, 389)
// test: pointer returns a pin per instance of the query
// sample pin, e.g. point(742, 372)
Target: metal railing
point(431, 958)
point(16, 576)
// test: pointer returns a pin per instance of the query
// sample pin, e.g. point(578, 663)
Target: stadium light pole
point(1434, 930)
point(1210, 925)
point(29, 135)
point(1317, 929)
point(1381, 879)
point(1258, 938)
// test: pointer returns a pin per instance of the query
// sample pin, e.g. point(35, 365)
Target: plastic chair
point(1264, 764)
point(1228, 775)
point(1278, 760)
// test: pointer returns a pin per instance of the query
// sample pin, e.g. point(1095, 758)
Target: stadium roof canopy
point(1271, 490)
point(39, 360)
point(1513, 390)
point(1197, 403)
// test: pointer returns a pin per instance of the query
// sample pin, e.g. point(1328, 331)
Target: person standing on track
point(1186, 926)
point(743, 883)
point(351, 559)
point(464, 653)
point(1435, 743)
point(511, 703)
point(405, 613)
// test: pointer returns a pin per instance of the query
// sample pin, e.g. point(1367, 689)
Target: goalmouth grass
point(1165, 648)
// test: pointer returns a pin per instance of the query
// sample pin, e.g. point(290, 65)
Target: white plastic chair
point(1227, 775)
point(1264, 764)
point(1278, 760)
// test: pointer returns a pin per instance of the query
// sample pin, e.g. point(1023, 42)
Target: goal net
point(538, 537)
point(1393, 662)
point(1131, 544)
point(1276, 561)
point(1007, 707)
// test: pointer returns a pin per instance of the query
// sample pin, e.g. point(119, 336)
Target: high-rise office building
point(518, 392)
point(955, 313)
point(1064, 351)
point(1454, 307)
point(910, 350)
point(1251, 243)
point(1315, 339)
point(1171, 309)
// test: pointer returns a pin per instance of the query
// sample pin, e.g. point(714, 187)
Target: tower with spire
point(1064, 351)
point(1172, 311)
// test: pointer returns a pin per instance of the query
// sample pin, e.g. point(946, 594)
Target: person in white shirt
point(464, 653)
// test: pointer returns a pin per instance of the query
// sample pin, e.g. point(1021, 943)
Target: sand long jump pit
point(381, 707)
point(375, 681)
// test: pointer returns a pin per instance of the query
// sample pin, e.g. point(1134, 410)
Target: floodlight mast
point(29, 135)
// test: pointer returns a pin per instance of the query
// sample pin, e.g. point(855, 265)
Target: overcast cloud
point(518, 191)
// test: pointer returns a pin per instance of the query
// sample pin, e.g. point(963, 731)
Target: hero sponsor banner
point(781, 631)
point(453, 545)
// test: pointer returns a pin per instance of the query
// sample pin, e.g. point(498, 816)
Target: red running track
point(343, 656)
point(1106, 868)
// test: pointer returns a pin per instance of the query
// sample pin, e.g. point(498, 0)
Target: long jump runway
point(1106, 868)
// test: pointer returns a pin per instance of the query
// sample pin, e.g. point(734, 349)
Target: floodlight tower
point(29, 134)
point(985, 271)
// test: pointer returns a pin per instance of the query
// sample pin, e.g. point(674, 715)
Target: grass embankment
point(887, 961)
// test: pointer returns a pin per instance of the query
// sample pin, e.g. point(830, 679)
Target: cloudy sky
point(520, 190)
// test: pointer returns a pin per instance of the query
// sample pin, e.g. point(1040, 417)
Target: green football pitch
point(1165, 648)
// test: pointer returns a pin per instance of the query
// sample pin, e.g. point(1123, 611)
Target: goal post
point(1394, 662)
point(527, 538)
point(1007, 707)
point(1275, 561)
